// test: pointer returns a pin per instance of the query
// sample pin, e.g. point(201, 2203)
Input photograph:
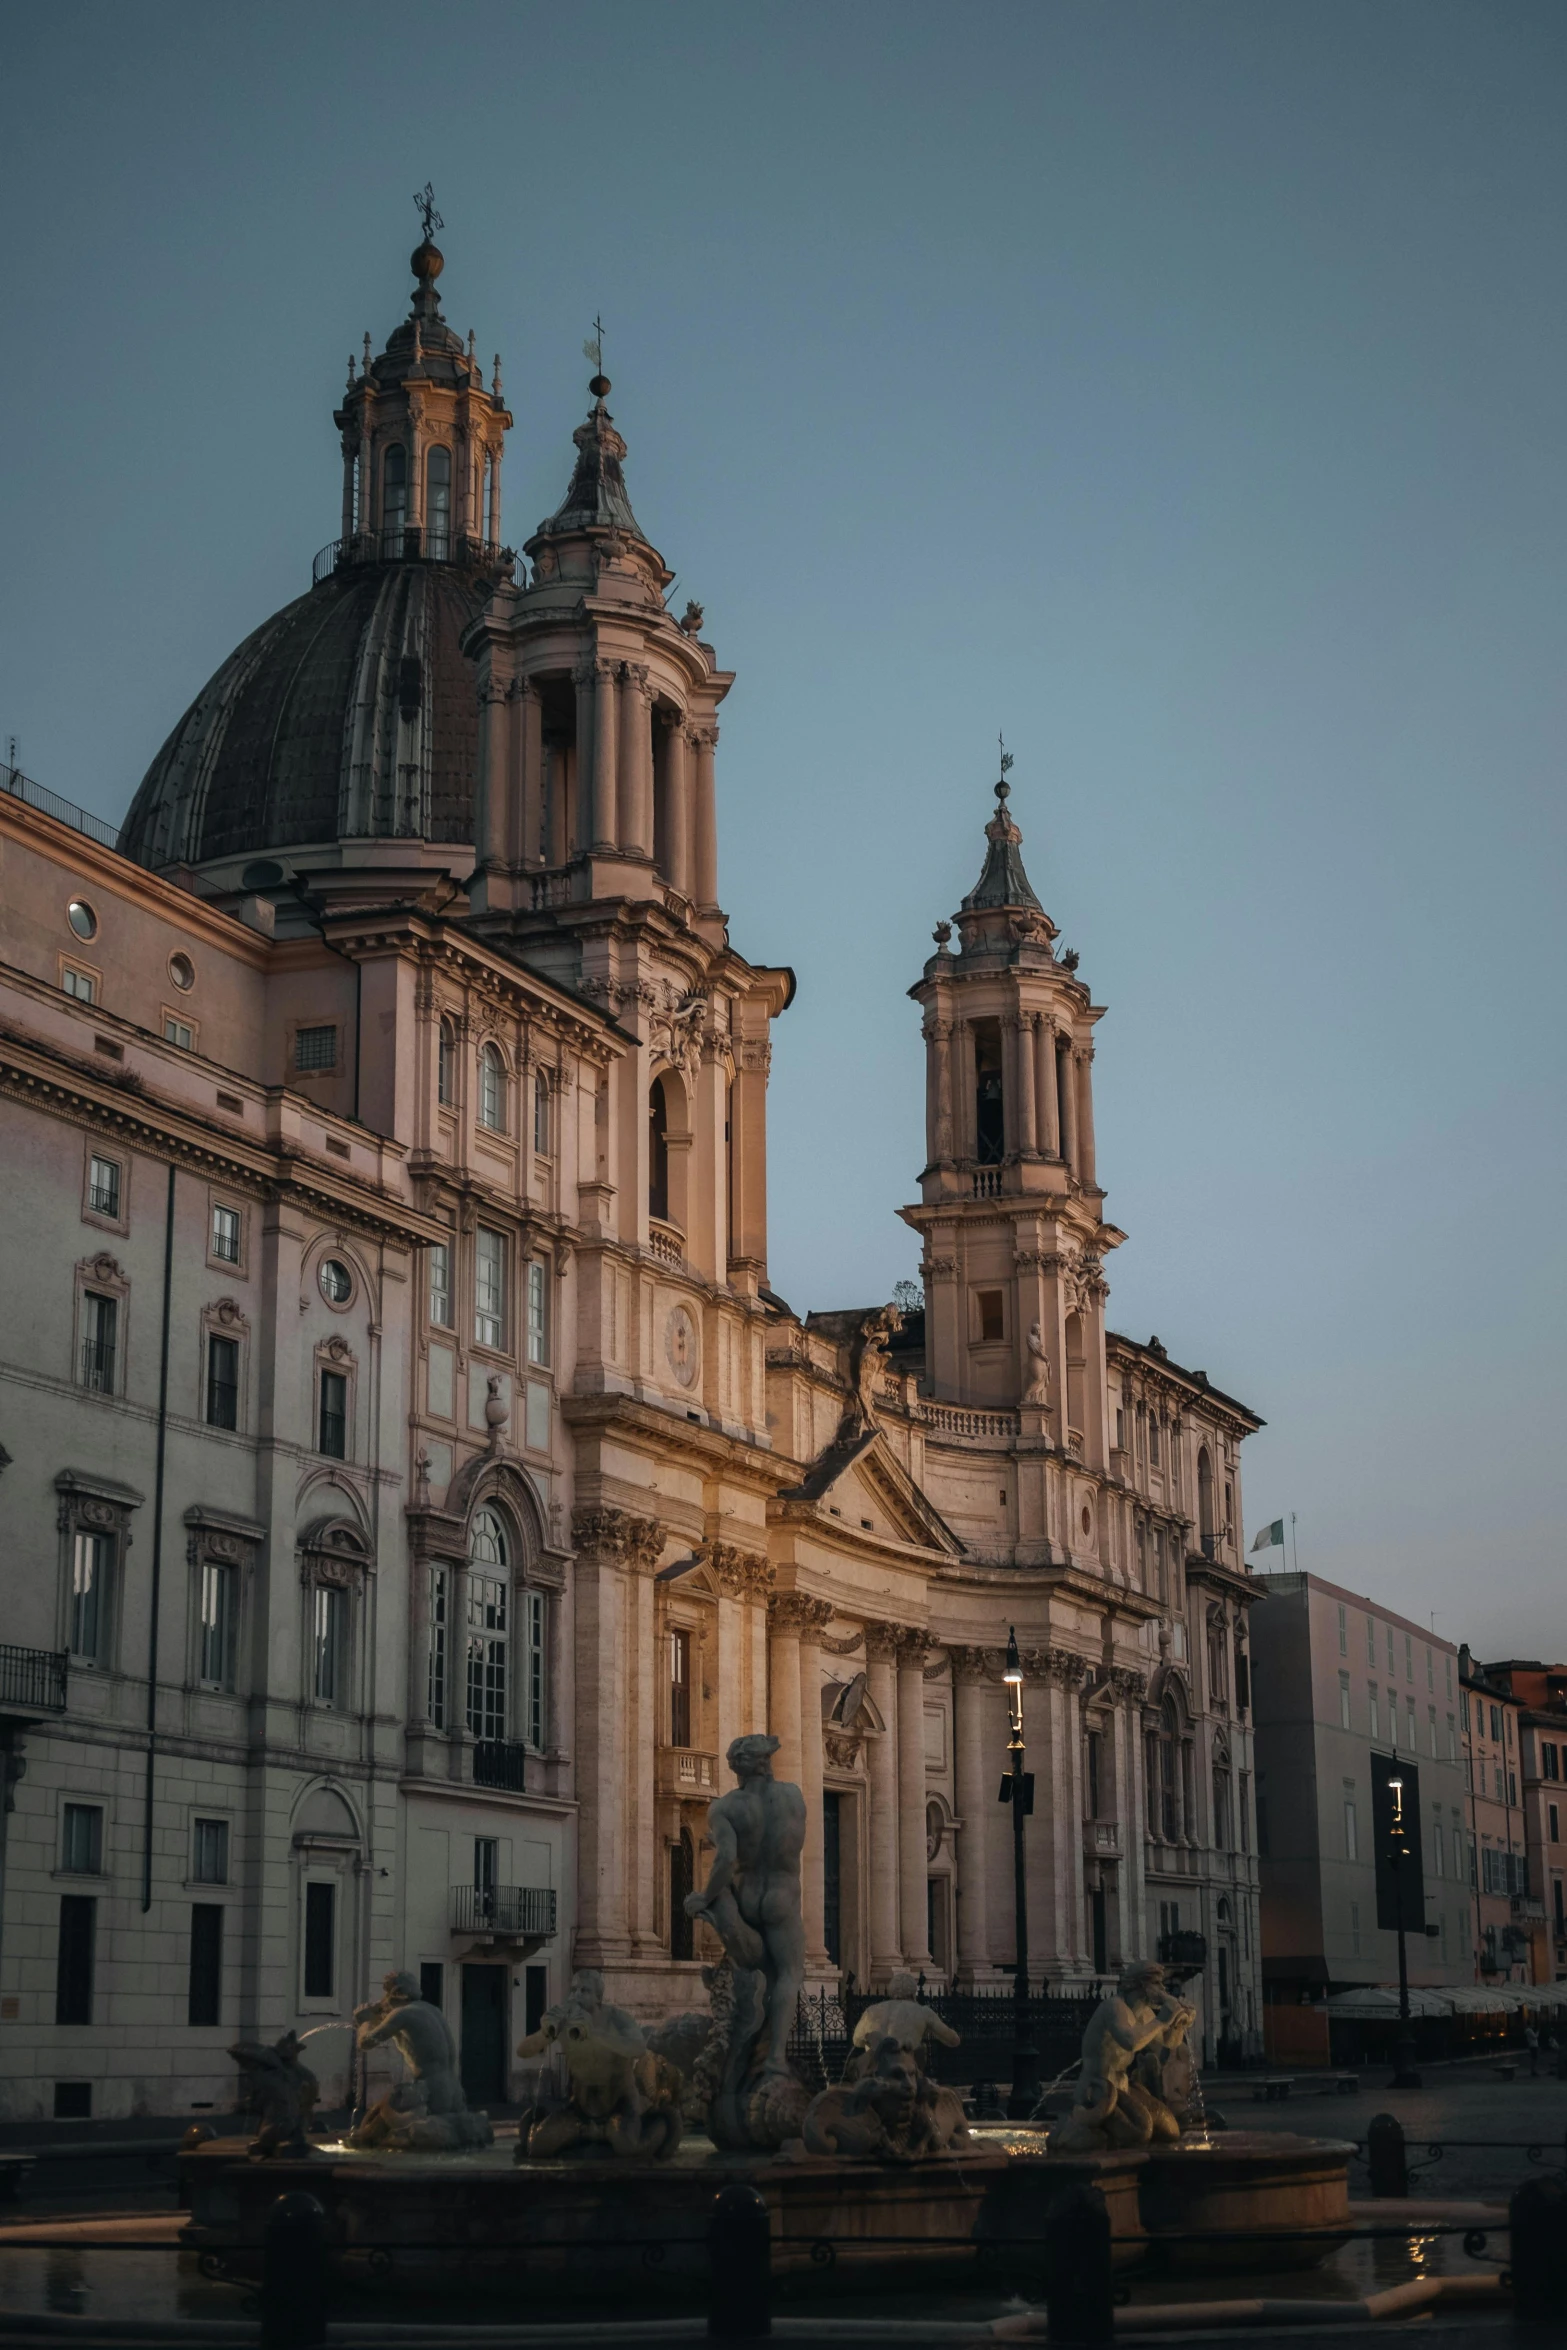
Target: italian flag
point(1270, 1535)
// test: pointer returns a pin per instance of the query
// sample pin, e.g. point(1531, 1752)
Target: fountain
point(621, 2155)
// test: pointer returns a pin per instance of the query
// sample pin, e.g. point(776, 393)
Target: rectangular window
point(315, 1048)
point(1508, 1724)
point(1343, 1701)
point(1431, 1727)
point(1354, 1929)
point(439, 1259)
point(103, 1187)
point(79, 984)
point(334, 1415)
point(225, 1235)
point(81, 1840)
point(177, 1032)
point(1496, 1724)
point(489, 1636)
point(1512, 1787)
point(1430, 1669)
point(1343, 1631)
point(1452, 1739)
point(320, 1924)
point(1392, 1719)
point(1120, 1429)
point(210, 1852)
point(1245, 1794)
point(1392, 1651)
point(1463, 1707)
point(73, 1975)
point(1153, 1441)
point(205, 1998)
point(538, 1311)
point(1409, 1656)
point(541, 1116)
point(1371, 1640)
point(1414, 1734)
point(533, 1664)
point(222, 1382)
point(219, 1610)
point(1497, 1775)
point(438, 1647)
point(329, 1643)
point(1351, 1838)
point(1375, 1718)
point(91, 1557)
point(1550, 1762)
point(679, 1687)
point(1437, 1866)
point(489, 1288)
point(992, 1325)
point(486, 1872)
point(100, 1341)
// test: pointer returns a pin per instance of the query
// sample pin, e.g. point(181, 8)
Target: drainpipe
point(311, 909)
point(157, 1546)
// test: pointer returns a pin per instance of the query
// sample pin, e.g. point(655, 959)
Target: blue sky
point(1175, 387)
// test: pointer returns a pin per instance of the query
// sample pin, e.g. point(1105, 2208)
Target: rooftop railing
point(411, 544)
point(48, 803)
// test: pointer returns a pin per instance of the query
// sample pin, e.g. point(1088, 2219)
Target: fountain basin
point(1285, 2198)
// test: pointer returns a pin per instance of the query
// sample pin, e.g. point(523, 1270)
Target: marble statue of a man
point(429, 2113)
point(752, 1895)
point(1113, 2108)
point(901, 2016)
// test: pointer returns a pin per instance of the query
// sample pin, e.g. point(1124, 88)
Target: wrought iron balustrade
point(511, 1913)
point(32, 1680)
point(48, 803)
point(408, 543)
point(98, 1365)
point(500, 1762)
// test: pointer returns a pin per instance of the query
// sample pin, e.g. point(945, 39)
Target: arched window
point(1205, 1501)
point(658, 1152)
point(446, 1064)
point(438, 504)
point(394, 497)
point(989, 1107)
point(492, 1089)
point(489, 1627)
point(1218, 1675)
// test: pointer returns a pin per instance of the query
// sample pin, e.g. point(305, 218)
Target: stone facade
point(393, 1385)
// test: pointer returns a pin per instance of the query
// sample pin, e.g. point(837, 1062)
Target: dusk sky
point(1176, 388)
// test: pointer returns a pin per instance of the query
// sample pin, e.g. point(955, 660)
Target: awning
point(1378, 2002)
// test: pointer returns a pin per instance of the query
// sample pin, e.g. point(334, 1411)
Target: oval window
point(1088, 1523)
point(82, 918)
point(182, 971)
point(337, 1283)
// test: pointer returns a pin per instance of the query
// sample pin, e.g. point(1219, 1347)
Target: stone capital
point(620, 1537)
point(970, 1664)
point(883, 1642)
point(796, 1613)
point(739, 1574)
point(913, 1647)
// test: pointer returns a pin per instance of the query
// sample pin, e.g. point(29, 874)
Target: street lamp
point(1017, 1788)
point(1404, 2073)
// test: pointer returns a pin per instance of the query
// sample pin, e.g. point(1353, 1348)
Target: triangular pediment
point(860, 1480)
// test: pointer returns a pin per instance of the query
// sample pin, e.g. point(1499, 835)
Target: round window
point(1088, 1522)
point(82, 918)
point(182, 971)
point(337, 1283)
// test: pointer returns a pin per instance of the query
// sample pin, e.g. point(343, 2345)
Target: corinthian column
point(881, 1651)
point(1068, 1081)
point(705, 875)
point(943, 1035)
point(783, 1682)
point(532, 851)
point(913, 1870)
point(963, 1142)
point(1047, 1109)
point(1085, 1097)
point(492, 778)
point(677, 808)
point(1027, 1137)
point(813, 1616)
point(635, 830)
point(973, 1790)
point(605, 735)
point(610, 1545)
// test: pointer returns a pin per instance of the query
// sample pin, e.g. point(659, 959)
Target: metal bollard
point(739, 2252)
point(293, 2274)
point(1079, 2296)
point(1537, 2258)
point(1385, 2155)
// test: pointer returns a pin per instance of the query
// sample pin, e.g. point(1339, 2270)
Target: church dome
point(350, 713)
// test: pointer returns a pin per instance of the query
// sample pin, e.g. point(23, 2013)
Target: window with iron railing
point(100, 1340)
point(103, 1187)
point(679, 1687)
point(92, 1557)
point(222, 1381)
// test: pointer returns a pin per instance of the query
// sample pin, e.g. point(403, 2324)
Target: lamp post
point(1404, 2073)
point(1017, 1788)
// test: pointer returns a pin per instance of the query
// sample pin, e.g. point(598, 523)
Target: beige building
point(1499, 1885)
point(1532, 1699)
point(414, 1482)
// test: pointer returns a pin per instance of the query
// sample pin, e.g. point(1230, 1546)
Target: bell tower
point(1009, 1214)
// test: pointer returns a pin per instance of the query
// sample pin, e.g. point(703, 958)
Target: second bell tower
point(1010, 1209)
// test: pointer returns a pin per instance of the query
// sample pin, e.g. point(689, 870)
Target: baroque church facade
point(413, 1481)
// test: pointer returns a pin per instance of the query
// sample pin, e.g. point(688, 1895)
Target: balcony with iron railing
point(505, 1913)
point(409, 544)
point(32, 1680)
point(98, 1365)
point(500, 1762)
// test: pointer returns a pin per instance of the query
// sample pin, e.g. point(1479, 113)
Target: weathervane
point(425, 199)
point(1003, 787)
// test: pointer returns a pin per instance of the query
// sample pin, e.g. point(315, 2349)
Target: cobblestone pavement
point(1456, 2105)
